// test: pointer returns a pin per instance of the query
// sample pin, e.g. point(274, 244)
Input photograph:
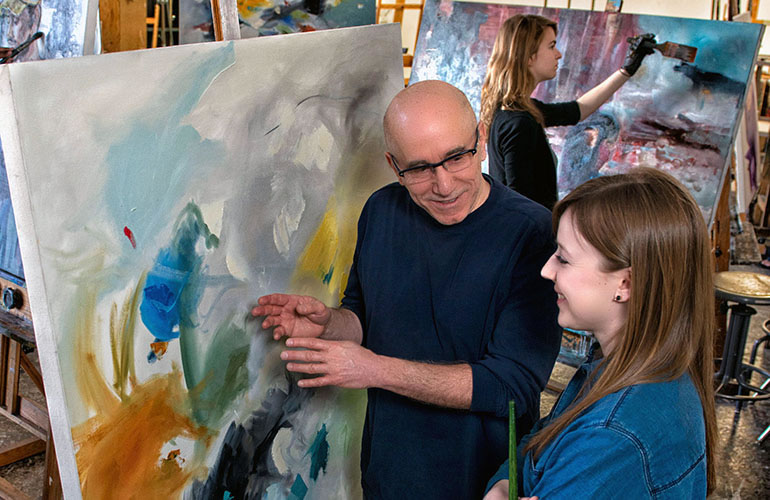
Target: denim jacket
point(644, 441)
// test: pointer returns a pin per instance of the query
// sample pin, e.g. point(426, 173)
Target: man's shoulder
point(387, 194)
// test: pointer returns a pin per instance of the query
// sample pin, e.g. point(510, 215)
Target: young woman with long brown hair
point(637, 420)
point(524, 55)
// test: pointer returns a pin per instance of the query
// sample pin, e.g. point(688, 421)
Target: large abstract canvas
point(274, 17)
point(672, 115)
point(168, 191)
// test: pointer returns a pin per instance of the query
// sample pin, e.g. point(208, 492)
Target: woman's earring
point(617, 298)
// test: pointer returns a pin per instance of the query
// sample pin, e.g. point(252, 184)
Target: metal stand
point(733, 373)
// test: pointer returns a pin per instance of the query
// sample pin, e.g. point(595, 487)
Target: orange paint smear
point(246, 8)
point(120, 451)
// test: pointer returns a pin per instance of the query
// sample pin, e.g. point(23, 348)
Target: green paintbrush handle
point(513, 482)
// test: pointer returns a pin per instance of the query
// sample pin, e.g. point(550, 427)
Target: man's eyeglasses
point(452, 163)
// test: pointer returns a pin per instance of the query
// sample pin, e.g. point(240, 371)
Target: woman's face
point(545, 62)
point(587, 295)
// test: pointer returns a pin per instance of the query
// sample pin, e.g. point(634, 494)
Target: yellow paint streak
point(122, 340)
point(246, 7)
point(119, 451)
point(94, 389)
point(331, 247)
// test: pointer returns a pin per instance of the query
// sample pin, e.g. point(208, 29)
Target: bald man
point(445, 317)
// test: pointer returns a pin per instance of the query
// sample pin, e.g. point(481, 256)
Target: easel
point(153, 21)
point(224, 14)
point(398, 17)
point(16, 338)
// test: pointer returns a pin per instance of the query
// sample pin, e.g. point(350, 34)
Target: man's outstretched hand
point(292, 315)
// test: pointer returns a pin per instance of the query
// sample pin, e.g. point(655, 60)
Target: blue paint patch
point(168, 300)
point(319, 453)
point(328, 276)
point(298, 489)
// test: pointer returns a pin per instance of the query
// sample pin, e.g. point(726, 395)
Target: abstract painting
point(274, 17)
point(672, 115)
point(153, 209)
point(63, 23)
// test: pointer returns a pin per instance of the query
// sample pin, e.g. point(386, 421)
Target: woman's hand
point(500, 492)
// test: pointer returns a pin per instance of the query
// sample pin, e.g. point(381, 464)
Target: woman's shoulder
point(507, 118)
point(640, 408)
point(659, 426)
point(663, 420)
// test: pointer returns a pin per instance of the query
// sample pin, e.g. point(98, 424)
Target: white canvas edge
point(90, 45)
point(30, 256)
point(741, 172)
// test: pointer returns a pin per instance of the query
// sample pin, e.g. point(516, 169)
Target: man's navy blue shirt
point(465, 293)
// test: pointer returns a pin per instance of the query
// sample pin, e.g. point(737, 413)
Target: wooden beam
point(31, 370)
point(11, 492)
point(21, 450)
point(12, 381)
point(124, 24)
point(31, 427)
point(33, 413)
point(52, 486)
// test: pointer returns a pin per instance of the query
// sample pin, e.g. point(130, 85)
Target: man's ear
point(389, 159)
point(483, 136)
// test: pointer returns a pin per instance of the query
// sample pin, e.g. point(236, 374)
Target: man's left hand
point(338, 363)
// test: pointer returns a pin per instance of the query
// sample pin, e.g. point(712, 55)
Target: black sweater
point(519, 154)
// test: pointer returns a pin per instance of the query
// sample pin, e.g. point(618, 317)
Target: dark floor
point(744, 464)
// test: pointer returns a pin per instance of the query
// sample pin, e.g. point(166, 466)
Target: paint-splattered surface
point(672, 115)
point(274, 17)
point(197, 185)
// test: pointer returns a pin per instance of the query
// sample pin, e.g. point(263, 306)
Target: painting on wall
point(275, 17)
point(197, 185)
point(672, 115)
point(63, 23)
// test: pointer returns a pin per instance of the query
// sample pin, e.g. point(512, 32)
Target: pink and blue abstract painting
point(676, 116)
point(171, 189)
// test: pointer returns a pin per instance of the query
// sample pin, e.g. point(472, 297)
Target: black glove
point(639, 47)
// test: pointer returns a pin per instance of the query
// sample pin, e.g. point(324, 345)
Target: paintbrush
point(677, 51)
point(18, 50)
point(648, 43)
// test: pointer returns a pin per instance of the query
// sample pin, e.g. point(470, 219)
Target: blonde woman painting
point(524, 55)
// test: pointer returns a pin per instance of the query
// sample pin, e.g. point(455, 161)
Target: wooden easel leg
point(12, 380)
point(52, 483)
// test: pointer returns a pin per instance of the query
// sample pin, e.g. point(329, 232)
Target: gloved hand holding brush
point(639, 47)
